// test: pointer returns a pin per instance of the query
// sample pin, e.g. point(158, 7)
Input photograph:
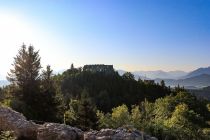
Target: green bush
point(180, 116)
point(7, 135)
point(120, 116)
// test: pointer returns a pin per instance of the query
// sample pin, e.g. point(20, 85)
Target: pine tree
point(46, 77)
point(86, 112)
point(49, 102)
point(25, 76)
point(162, 83)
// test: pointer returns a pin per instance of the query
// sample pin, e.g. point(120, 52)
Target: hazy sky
point(130, 34)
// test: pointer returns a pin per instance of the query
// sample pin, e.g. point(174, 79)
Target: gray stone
point(118, 134)
point(153, 138)
point(55, 131)
point(11, 120)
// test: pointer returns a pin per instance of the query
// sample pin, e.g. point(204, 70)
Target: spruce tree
point(25, 76)
point(49, 102)
point(86, 112)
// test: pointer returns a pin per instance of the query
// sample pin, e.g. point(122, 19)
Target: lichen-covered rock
point(55, 131)
point(11, 120)
point(117, 134)
point(106, 132)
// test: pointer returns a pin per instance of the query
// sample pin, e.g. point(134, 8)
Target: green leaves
point(171, 117)
point(7, 135)
point(128, 76)
point(120, 116)
point(81, 113)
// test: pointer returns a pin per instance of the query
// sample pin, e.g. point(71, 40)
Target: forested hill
point(108, 90)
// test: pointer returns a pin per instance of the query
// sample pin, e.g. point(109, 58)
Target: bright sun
point(14, 29)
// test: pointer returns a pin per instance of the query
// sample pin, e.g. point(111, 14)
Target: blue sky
point(130, 34)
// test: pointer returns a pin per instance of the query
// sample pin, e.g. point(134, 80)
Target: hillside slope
point(196, 81)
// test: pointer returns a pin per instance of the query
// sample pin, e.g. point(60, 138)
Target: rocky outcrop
point(11, 120)
point(54, 131)
point(117, 134)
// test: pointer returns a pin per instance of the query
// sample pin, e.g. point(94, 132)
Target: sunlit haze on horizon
point(131, 35)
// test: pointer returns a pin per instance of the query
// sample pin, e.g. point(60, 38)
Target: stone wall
point(99, 68)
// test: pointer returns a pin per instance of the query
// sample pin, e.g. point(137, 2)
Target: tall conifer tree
point(25, 76)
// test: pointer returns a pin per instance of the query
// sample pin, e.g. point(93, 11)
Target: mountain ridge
point(197, 72)
point(197, 78)
point(157, 74)
point(199, 81)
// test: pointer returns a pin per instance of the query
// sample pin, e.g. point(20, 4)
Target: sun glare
point(13, 29)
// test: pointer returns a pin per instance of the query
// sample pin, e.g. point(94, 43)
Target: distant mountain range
point(196, 79)
point(198, 72)
point(191, 80)
point(161, 74)
point(199, 81)
point(157, 74)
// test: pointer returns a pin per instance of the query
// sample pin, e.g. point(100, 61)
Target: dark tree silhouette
point(49, 100)
point(25, 76)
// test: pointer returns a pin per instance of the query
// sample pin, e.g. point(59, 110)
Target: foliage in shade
point(82, 113)
point(32, 93)
point(48, 93)
point(25, 75)
point(108, 90)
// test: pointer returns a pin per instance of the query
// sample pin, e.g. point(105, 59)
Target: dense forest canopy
point(96, 96)
point(108, 90)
